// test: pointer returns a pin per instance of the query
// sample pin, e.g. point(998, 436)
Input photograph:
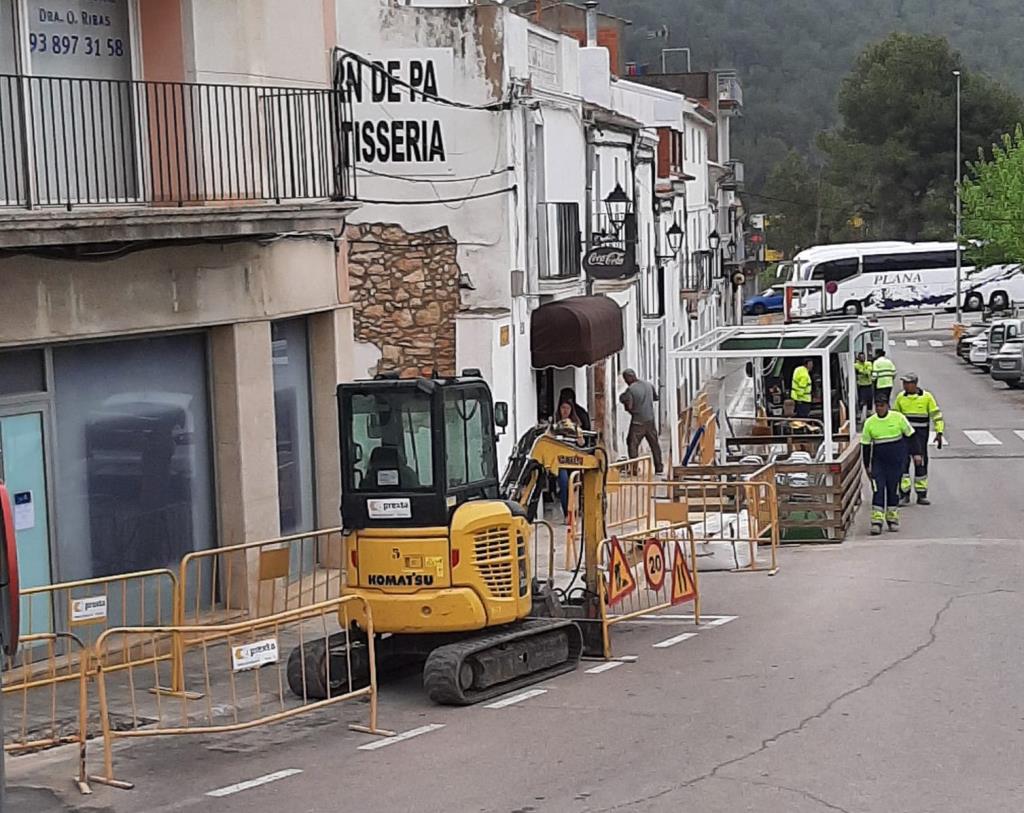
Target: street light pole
point(959, 250)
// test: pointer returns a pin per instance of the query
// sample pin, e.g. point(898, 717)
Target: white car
point(979, 351)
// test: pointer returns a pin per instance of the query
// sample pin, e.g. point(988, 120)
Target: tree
point(896, 147)
point(805, 208)
point(993, 201)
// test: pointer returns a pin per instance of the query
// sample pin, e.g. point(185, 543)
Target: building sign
point(87, 38)
point(609, 262)
point(396, 122)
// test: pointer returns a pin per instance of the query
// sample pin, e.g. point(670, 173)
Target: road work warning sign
point(683, 588)
point(654, 564)
point(621, 581)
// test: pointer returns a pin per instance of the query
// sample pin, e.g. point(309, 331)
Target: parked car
point(768, 301)
point(963, 345)
point(1008, 364)
point(1003, 330)
point(979, 351)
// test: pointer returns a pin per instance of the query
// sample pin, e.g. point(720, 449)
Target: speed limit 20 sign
point(654, 564)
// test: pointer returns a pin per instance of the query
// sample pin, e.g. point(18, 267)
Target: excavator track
point(495, 663)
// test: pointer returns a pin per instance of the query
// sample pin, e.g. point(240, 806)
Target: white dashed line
point(516, 698)
point(678, 639)
point(1019, 433)
point(935, 343)
point(982, 437)
point(405, 735)
point(912, 342)
point(604, 667)
point(718, 622)
point(892, 342)
point(253, 783)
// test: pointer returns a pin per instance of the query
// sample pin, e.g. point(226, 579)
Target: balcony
point(730, 91)
point(99, 160)
point(732, 181)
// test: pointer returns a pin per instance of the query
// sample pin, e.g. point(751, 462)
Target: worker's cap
point(910, 378)
point(629, 371)
point(881, 398)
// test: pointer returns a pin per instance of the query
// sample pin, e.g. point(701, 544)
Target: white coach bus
point(881, 276)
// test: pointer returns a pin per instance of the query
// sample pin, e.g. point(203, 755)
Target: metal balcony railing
point(730, 91)
point(101, 142)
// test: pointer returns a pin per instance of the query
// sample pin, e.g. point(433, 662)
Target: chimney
point(591, 6)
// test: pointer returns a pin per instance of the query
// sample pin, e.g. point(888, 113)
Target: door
point(23, 469)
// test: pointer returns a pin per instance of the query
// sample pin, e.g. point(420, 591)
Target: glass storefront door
point(23, 470)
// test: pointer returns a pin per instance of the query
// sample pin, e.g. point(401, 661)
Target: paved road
point(880, 675)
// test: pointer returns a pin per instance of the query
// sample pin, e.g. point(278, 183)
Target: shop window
point(22, 372)
point(293, 425)
point(133, 455)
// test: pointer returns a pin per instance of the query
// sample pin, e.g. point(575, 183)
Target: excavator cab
point(414, 450)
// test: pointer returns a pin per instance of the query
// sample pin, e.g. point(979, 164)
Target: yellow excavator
point(440, 547)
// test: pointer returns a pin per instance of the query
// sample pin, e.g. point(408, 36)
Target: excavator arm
point(543, 451)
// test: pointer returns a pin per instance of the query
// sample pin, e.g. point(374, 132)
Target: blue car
point(768, 301)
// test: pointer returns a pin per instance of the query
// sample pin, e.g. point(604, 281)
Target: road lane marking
point(935, 343)
point(718, 622)
point(253, 783)
point(1019, 433)
point(516, 698)
point(892, 342)
point(703, 618)
point(912, 342)
point(678, 639)
point(405, 735)
point(982, 437)
point(603, 667)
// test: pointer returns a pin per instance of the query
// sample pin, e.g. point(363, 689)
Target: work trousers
point(803, 409)
point(644, 430)
point(886, 472)
point(865, 399)
point(918, 446)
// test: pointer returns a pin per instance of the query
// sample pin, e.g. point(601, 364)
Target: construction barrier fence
point(628, 494)
point(237, 676)
point(645, 572)
point(261, 578)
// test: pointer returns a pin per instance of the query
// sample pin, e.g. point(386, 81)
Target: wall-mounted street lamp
point(674, 238)
point(731, 249)
point(619, 207)
point(714, 240)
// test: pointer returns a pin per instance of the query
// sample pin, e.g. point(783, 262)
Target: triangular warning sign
point(621, 581)
point(683, 588)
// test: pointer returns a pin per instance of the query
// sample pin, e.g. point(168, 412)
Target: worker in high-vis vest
point(922, 412)
point(883, 371)
point(865, 371)
point(884, 447)
point(800, 389)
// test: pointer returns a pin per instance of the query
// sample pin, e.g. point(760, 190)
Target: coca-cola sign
point(609, 262)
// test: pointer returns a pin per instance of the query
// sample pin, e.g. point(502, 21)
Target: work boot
point(892, 518)
point(894, 526)
point(876, 528)
point(905, 499)
point(922, 499)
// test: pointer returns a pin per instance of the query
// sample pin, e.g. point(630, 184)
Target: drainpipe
point(591, 6)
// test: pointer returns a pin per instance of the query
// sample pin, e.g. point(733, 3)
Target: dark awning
point(575, 332)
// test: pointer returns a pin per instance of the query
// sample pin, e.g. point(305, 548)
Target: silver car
point(1008, 364)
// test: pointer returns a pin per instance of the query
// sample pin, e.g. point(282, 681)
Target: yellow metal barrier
point(244, 672)
point(49, 678)
point(646, 572)
point(739, 511)
point(629, 493)
point(261, 578)
point(48, 684)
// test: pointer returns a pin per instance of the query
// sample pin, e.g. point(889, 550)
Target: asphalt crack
point(798, 791)
point(768, 742)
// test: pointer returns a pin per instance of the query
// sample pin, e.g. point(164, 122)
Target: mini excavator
point(440, 548)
